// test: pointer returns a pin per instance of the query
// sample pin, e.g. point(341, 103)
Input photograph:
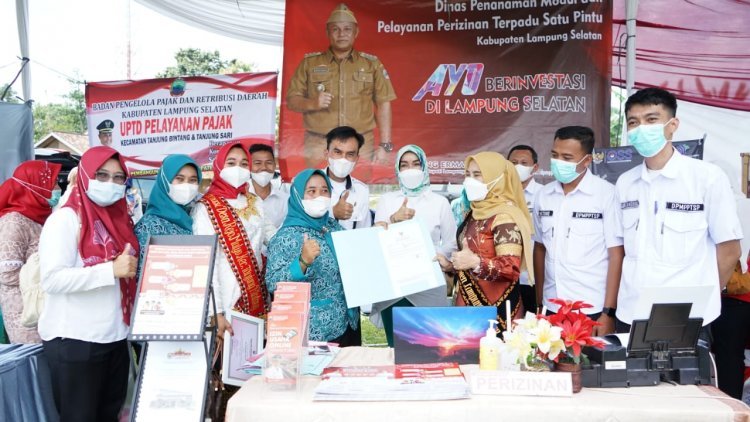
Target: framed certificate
point(246, 342)
point(172, 300)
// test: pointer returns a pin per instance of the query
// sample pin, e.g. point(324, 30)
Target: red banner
point(469, 76)
point(699, 51)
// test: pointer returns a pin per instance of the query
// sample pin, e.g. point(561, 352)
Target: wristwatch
point(610, 312)
point(387, 146)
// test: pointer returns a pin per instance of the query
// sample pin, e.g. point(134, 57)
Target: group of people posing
point(669, 222)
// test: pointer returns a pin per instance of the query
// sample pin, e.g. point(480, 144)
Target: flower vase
point(575, 373)
point(536, 364)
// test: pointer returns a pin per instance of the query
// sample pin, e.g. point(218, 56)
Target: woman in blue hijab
point(167, 212)
point(302, 250)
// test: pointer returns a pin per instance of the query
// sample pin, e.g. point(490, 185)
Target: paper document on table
point(378, 264)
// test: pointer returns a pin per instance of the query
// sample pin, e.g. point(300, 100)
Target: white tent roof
point(259, 21)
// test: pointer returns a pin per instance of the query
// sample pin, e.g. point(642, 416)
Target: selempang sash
point(472, 293)
point(239, 253)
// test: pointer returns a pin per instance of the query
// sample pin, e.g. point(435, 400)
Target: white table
point(253, 402)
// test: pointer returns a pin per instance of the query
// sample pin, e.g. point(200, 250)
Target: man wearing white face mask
point(350, 198)
point(415, 200)
point(262, 169)
point(679, 220)
point(526, 162)
point(577, 253)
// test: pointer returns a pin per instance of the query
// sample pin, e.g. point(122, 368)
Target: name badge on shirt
point(628, 205)
point(587, 215)
point(320, 69)
point(545, 213)
point(677, 206)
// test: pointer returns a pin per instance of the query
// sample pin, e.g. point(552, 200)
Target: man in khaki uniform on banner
point(342, 87)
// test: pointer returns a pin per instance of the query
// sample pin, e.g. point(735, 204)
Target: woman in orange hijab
point(494, 239)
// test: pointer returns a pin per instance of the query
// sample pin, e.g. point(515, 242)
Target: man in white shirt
point(350, 198)
point(679, 219)
point(262, 170)
point(577, 253)
point(526, 161)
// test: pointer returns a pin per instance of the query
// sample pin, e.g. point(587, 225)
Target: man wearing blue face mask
point(577, 254)
point(679, 220)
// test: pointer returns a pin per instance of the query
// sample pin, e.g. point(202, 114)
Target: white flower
point(556, 346)
point(517, 343)
point(528, 323)
point(544, 334)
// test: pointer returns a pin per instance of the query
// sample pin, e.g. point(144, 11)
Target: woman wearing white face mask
point(175, 189)
point(226, 207)
point(303, 251)
point(88, 258)
point(495, 238)
point(415, 200)
point(26, 200)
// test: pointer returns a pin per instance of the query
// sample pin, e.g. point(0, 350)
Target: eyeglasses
point(103, 176)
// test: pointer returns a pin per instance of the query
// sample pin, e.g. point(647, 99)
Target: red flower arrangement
point(576, 329)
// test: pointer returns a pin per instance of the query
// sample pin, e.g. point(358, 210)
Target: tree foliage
point(194, 62)
point(10, 96)
point(616, 117)
point(70, 116)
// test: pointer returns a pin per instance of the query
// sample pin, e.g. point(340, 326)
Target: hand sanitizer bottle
point(489, 348)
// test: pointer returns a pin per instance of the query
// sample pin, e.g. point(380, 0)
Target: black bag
point(215, 405)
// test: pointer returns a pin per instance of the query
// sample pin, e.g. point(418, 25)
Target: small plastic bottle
point(489, 348)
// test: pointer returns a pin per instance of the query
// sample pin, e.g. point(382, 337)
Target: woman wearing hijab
point(167, 213)
point(460, 206)
point(495, 237)
point(415, 200)
point(89, 257)
point(303, 251)
point(26, 200)
point(236, 216)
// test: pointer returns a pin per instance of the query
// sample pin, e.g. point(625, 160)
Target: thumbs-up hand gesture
point(343, 210)
point(465, 259)
point(124, 266)
point(403, 213)
point(310, 250)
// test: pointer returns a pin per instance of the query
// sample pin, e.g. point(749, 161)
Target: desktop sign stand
point(170, 319)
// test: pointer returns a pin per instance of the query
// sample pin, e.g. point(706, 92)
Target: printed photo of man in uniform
point(105, 129)
point(342, 87)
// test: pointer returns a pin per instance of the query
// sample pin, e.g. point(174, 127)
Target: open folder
point(378, 264)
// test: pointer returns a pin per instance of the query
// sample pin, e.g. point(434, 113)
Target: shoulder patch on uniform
point(368, 56)
point(313, 54)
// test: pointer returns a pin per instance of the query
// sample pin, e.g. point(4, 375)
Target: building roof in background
point(76, 143)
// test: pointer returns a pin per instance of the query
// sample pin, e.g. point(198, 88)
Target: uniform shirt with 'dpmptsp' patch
point(577, 230)
point(672, 220)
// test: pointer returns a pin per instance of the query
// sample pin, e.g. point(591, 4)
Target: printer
point(666, 347)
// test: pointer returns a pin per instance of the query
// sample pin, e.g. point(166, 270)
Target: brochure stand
point(170, 318)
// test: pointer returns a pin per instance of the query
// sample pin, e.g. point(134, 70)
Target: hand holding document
point(378, 264)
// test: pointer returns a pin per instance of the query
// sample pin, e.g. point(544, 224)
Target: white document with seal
point(378, 264)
